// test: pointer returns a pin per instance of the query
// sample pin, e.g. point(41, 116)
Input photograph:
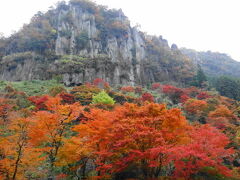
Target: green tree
point(102, 98)
point(200, 78)
point(229, 87)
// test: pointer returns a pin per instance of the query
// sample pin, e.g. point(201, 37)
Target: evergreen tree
point(200, 78)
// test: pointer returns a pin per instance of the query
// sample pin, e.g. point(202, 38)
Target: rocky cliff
point(81, 41)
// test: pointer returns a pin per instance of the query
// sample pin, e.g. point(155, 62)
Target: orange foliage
point(194, 106)
point(221, 117)
point(49, 127)
point(124, 137)
point(17, 155)
point(148, 139)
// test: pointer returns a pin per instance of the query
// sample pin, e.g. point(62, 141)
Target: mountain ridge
point(214, 63)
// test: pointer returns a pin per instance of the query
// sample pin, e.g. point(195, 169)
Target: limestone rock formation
point(81, 41)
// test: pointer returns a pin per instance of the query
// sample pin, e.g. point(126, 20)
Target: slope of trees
point(183, 133)
point(227, 86)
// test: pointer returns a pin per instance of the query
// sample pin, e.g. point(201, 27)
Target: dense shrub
point(147, 97)
point(84, 93)
point(127, 89)
point(203, 95)
point(39, 101)
point(102, 98)
point(138, 90)
point(56, 90)
point(122, 98)
point(156, 86)
point(173, 92)
point(67, 98)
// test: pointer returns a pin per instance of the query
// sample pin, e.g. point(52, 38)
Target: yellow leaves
point(73, 150)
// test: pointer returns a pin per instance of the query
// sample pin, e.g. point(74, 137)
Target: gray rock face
point(126, 51)
point(23, 66)
point(73, 24)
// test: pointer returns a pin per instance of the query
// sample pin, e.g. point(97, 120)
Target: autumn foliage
point(95, 134)
point(156, 86)
point(147, 139)
point(100, 83)
point(127, 89)
point(147, 97)
point(203, 95)
point(221, 117)
point(194, 106)
point(39, 101)
point(173, 92)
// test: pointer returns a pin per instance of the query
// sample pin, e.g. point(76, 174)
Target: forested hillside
point(94, 131)
point(214, 63)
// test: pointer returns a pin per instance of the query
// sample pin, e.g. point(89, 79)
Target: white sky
point(197, 24)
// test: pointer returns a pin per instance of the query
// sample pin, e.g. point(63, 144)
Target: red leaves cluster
point(173, 92)
point(168, 89)
point(67, 98)
point(100, 83)
point(156, 86)
point(203, 95)
point(126, 135)
point(147, 97)
point(127, 89)
point(184, 98)
point(191, 91)
point(5, 107)
point(207, 149)
point(39, 101)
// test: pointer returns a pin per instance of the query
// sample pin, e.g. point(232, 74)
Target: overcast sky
point(197, 24)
